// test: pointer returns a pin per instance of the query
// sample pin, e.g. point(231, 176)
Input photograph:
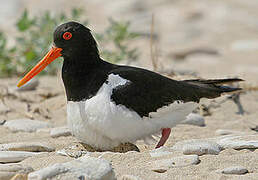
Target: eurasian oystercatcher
point(110, 104)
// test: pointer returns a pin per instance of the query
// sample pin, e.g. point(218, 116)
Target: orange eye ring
point(67, 35)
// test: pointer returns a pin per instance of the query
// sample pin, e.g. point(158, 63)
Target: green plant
point(119, 35)
point(35, 38)
point(6, 66)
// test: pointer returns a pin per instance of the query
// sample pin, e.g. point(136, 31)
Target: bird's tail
point(212, 88)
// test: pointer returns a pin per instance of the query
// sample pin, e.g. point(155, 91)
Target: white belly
point(102, 124)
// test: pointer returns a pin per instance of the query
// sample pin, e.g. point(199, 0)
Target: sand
point(228, 28)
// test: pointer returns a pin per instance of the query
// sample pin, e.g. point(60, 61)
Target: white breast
point(101, 123)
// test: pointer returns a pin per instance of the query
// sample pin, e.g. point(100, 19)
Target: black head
point(75, 40)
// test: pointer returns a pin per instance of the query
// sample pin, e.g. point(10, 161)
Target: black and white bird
point(110, 104)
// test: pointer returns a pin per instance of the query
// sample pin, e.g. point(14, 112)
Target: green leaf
point(24, 23)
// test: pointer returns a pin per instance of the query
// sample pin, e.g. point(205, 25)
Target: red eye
point(67, 35)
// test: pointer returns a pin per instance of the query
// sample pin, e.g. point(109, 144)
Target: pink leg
point(164, 137)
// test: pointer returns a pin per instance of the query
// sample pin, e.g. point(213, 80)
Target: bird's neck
point(83, 77)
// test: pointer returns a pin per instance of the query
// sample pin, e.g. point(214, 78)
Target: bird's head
point(71, 40)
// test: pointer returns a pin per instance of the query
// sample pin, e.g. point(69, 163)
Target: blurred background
point(208, 38)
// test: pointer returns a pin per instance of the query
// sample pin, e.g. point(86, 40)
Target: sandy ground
point(228, 28)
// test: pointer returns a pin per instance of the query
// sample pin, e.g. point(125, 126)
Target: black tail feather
point(213, 88)
point(215, 81)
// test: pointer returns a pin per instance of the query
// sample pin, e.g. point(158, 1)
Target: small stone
point(72, 153)
point(180, 161)
point(239, 142)
point(235, 170)
point(15, 156)
point(60, 131)
point(2, 122)
point(201, 148)
point(245, 45)
point(159, 170)
point(30, 85)
point(198, 147)
point(25, 125)
point(194, 119)
point(76, 150)
point(130, 177)
point(15, 167)
point(26, 146)
point(227, 132)
point(162, 151)
point(48, 172)
point(44, 130)
point(86, 167)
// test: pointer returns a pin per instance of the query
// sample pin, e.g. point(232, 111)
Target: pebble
point(235, 170)
point(201, 148)
point(194, 119)
point(26, 146)
point(72, 153)
point(245, 45)
point(227, 132)
point(86, 167)
point(130, 177)
point(181, 161)
point(60, 131)
point(30, 85)
point(44, 130)
point(26, 125)
point(15, 156)
point(2, 122)
point(162, 151)
point(239, 142)
point(198, 147)
point(7, 171)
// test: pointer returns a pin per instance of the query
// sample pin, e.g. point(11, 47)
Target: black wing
point(149, 91)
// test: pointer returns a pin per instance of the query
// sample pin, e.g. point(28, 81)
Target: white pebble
point(48, 172)
point(26, 125)
point(194, 119)
point(180, 161)
point(60, 131)
point(198, 147)
point(162, 151)
point(86, 167)
point(245, 45)
point(201, 148)
point(239, 142)
point(15, 156)
point(130, 177)
point(26, 146)
point(235, 170)
point(15, 167)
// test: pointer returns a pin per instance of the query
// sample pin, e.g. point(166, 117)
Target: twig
point(153, 50)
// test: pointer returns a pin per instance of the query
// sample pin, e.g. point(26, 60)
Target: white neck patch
point(116, 80)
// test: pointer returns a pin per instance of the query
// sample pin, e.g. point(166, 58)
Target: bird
point(109, 104)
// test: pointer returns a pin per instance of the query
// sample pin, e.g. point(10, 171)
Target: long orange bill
point(51, 56)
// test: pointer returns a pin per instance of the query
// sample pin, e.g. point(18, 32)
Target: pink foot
point(164, 137)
